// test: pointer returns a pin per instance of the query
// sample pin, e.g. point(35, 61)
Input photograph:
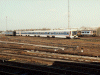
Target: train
point(10, 33)
point(53, 33)
point(82, 33)
point(47, 33)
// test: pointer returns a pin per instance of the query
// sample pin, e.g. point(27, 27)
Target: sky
point(36, 14)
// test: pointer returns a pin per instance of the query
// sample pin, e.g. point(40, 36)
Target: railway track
point(28, 59)
point(58, 68)
point(43, 42)
point(76, 50)
point(66, 45)
point(43, 46)
point(32, 53)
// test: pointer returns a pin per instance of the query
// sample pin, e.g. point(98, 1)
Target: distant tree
point(98, 31)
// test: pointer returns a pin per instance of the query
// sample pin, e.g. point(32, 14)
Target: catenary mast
point(68, 14)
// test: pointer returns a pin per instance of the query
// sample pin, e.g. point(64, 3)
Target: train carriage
point(50, 33)
point(10, 33)
point(86, 33)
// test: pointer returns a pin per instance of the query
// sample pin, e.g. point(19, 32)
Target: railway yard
point(49, 56)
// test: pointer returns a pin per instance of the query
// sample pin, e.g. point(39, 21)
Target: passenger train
point(48, 33)
point(53, 33)
point(86, 33)
point(10, 33)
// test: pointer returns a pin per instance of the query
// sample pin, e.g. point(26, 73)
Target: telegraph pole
point(68, 14)
point(6, 23)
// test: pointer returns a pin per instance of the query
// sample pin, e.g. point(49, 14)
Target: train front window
point(74, 33)
point(94, 31)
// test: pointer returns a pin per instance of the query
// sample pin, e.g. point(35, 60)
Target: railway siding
point(62, 69)
point(51, 55)
point(49, 52)
point(43, 46)
point(76, 50)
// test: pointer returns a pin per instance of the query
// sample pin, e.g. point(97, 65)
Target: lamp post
point(6, 23)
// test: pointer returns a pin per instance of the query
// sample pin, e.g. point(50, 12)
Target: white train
point(49, 33)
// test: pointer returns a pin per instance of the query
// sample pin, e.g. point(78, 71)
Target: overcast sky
point(27, 14)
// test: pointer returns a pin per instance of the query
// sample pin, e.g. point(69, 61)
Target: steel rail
point(32, 45)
